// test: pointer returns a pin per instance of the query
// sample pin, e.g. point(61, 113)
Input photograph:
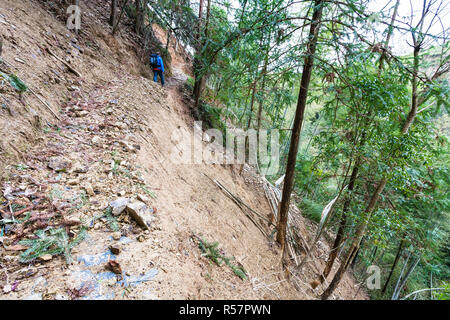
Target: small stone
point(89, 189)
point(109, 111)
point(122, 193)
point(82, 113)
point(78, 168)
point(96, 140)
point(46, 257)
point(115, 249)
point(141, 238)
point(116, 235)
point(119, 205)
point(73, 182)
point(120, 125)
point(7, 288)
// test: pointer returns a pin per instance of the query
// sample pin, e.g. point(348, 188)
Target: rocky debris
point(78, 168)
point(73, 182)
point(117, 235)
point(46, 257)
point(130, 147)
point(114, 267)
point(59, 164)
point(96, 140)
point(115, 249)
point(119, 205)
point(89, 189)
point(120, 125)
point(81, 113)
point(140, 213)
point(7, 289)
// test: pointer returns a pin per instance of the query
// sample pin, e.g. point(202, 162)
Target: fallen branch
point(65, 63)
point(242, 205)
point(44, 103)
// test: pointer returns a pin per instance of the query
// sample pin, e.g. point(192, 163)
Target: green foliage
point(52, 241)
point(15, 82)
point(211, 251)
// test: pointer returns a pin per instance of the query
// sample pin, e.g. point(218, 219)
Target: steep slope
point(116, 138)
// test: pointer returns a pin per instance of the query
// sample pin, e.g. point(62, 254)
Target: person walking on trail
point(158, 67)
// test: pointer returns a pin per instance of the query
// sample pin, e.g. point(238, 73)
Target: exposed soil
point(117, 137)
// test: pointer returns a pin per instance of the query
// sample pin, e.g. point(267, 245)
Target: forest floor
point(115, 139)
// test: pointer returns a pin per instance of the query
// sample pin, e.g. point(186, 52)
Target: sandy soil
point(112, 103)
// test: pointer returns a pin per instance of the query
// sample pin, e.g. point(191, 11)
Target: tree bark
point(116, 25)
point(139, 17)
point(298, 121)
point(197, 62)
point(113, 15)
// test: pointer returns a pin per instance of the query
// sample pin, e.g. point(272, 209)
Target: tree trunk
point(139, 17)
point(352, 251)
point(399, 251)
point(116, 25)
point(298, 121)
point(113, 16)
point(412, 113)
point(198, 82)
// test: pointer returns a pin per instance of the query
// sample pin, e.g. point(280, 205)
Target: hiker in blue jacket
point(158, 67)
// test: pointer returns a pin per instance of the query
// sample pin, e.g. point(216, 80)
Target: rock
point(122, 193)
point(120, 125)
point(109, 111)
point(73, 182)
point(46, 257)
point(117, 235)
point(114, 267)
point(141, 238)
point(115, 249)
point(78, 168)
point(73, 88)
point(119, 205)
point(7, 289)
point(89, 189)
point(96, 140)
point(82, 113)
point(59, 164)
point(140, 213)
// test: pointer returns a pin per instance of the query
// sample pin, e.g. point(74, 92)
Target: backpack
point(154, 61)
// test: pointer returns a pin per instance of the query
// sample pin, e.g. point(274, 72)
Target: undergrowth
point(211, 251)
point(52, 241)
